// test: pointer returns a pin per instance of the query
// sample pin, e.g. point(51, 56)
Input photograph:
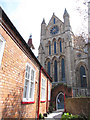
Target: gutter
point(42, 69)
point(47, 98)
point(39, 92)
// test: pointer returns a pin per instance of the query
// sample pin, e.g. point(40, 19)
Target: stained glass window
point(63, 69)
point(49, 49)
point(83, 77)
point(55, 71)
point(49, 67)
point(55, 47)
point(60, 46)
point(54, 20)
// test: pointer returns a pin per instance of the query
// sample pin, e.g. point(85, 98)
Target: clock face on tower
point(54, 30)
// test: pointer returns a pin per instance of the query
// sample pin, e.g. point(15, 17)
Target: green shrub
point(41, 116)
point(68, 116)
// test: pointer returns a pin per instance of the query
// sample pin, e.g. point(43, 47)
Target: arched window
point(48, 67)
point(54, 20)
point(55, 71)
point(55, 47)
point(60, 46)
point(63, 69)
point(49, 49)
point(83, 77)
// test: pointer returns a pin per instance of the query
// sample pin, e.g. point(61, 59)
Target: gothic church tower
point(55, 51)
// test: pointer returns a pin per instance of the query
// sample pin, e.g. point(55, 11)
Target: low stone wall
point(80, 106)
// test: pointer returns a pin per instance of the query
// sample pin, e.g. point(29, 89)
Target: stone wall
point(80, 106)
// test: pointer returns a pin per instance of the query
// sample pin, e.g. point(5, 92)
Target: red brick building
point(24, 84)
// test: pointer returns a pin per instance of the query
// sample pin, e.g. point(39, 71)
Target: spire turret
point(66, 21)
point(43, 28)
point(65, 13)
point(43, 22)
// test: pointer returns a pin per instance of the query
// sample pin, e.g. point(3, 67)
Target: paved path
point(56, 115)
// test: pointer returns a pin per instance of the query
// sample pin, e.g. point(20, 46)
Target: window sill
point(27, 102)
point(43, 101)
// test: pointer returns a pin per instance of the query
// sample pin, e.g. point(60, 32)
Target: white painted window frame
point(2, 47)
point(43, 89)
point(28, 98)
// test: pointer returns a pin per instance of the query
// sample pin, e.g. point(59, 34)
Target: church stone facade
point(64, 56)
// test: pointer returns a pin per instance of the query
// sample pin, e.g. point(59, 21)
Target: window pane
point(1, 43)
point(54, 46)
point(31, 90)
point(27, 78)
point(60, 46)
point(43, 89)
point(49, 68)
point(26, 82)
point(83, 77)
point(32, 75)
point(54, 20)
point(63, 69)
point(49, 49)
point(55, 71)
point(25, 91)
point(26, 75)
point(31, 93)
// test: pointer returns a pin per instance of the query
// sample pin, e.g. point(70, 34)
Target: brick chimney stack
point(30, 42)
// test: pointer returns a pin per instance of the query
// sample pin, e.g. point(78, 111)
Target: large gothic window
point(60, 46)
point(55, 47)
point(63, 69)
point(55, 71)
point(49, 49)
point(83, 77)
point(48, 67)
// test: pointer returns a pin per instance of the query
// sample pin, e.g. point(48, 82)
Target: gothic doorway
point(60, 101)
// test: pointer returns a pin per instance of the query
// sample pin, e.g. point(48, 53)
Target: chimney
point(30, 42)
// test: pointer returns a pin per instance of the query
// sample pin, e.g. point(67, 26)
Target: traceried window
point(2, 44)
point(83, 77)
point(60, 46)
point(54, 47)
point(29, 84)
point(55, 71)
point(63, 69)
point(49, 94)
point(48, 68)
point(43, 93)
point(49, 49)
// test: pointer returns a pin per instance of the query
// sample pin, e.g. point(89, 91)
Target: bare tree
point(82, 7)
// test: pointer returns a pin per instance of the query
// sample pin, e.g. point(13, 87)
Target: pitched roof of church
point(54, 16)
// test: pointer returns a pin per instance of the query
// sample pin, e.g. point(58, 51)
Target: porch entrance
point(60, 101)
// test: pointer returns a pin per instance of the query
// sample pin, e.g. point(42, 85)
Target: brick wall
point(80, 106)
point(12, 78)
point(57, 89)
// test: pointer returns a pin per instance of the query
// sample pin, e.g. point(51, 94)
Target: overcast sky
point(27, 15)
